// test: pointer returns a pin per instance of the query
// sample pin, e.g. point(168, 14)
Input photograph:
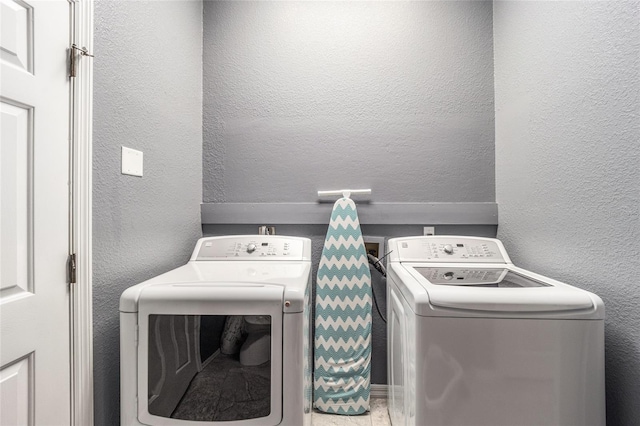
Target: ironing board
point(343, 317)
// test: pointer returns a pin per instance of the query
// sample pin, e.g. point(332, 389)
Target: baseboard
point(378, 391)
point(208, 360)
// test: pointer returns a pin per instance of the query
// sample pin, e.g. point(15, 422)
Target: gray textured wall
point(567, 162)
point(147, 96)
point(393, 96)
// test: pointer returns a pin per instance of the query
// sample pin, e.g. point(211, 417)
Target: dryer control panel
point(251, 247)
point(447, 249)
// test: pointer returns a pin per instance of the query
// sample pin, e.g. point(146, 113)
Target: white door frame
point(81, 239)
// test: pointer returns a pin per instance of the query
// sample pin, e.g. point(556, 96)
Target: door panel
point(16, 385)
point(15, 217)
point(184, 347)
point(34, 212)
point(172, 360)
point(16, 34)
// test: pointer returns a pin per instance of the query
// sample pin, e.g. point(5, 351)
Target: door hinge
point(73, 58)
point(71, 268)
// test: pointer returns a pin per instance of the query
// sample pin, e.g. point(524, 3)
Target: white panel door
point(34, 213)
point(173, 354)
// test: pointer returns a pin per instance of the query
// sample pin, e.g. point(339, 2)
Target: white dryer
point(475, 340)
point(224, 339)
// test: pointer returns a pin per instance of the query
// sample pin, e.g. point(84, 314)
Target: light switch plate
point(131, 162)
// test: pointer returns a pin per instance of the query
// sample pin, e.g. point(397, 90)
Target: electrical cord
point(375, 300)
point(380, 268)
point(377, 264)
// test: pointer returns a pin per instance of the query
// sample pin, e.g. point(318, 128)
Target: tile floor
point(376, 417)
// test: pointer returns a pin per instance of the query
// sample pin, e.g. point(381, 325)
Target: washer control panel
point(462, 276)
point(259, 247)
point(448, 249)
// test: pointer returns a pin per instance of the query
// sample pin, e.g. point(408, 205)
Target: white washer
point(172, 370)
point(475, 340)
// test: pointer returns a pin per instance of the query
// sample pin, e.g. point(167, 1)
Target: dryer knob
point(251, 248)
point(448, 248)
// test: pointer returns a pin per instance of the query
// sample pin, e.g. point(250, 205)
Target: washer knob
point(448, 248)
point(251, 248)
point(448, 276)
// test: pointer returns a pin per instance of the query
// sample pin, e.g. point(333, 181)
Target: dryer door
point(210, 354)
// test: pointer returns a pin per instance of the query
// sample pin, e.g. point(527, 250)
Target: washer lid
point(498, 289)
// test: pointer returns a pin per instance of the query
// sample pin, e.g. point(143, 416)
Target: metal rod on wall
point(344, 192)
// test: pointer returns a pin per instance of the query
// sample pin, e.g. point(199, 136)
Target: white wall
point(147, 96)
point(567, 94)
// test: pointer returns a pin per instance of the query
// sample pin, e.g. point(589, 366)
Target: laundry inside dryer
point(209, 367)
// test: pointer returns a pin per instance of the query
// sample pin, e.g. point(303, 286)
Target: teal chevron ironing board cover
point(343, 317)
